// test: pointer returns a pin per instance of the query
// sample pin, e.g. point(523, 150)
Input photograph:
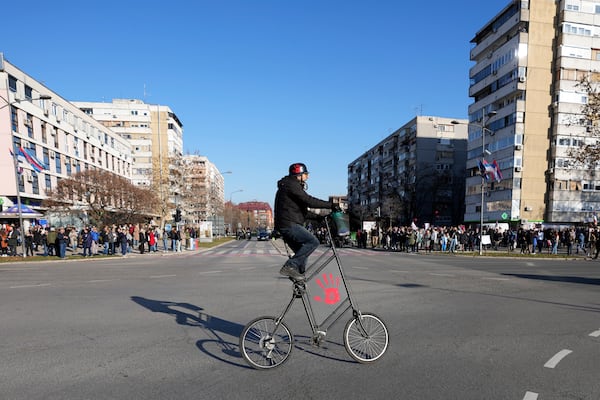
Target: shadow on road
point(553, 278)
point(191, 315)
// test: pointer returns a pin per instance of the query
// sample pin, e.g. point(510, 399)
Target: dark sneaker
point(292, 272)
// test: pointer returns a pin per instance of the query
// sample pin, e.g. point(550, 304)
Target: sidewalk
point(78, 254)
point(501, 252)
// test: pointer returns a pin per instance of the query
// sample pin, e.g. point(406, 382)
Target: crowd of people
point(584, 240)
point(92, 241)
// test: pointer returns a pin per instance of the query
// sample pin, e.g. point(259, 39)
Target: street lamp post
point(231, 203)
point(16, 169)
point(484, 130)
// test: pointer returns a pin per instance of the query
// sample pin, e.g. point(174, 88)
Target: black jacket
point(292, 203)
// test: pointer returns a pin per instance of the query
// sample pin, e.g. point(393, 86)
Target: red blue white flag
point(490, 170)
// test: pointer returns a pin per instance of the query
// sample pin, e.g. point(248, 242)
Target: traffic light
point(178, 215)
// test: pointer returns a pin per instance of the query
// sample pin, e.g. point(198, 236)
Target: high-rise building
point(416, 174)
point(57, 133)
point(202, 192)
point(529, 59)
point(156, 137)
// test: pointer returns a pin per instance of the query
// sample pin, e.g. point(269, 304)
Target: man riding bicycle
point(291, 211)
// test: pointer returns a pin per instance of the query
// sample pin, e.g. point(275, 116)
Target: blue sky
point(259, 84)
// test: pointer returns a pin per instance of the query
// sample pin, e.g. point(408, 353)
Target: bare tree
point(588, 153)
point(105, 198)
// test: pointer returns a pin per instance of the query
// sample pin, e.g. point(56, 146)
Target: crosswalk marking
point(265, 252)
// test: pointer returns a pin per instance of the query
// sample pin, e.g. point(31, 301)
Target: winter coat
point(292, 203)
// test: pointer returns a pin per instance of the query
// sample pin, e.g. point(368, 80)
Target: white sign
point(485, 239)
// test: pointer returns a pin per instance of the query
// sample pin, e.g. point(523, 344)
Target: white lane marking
point(595, 333)
point(400, 272)
point(100, 280)
point(553, 362)
point(209, 272)
point(530, 396)
point(161, 276)
point(448, 275)
point(247, 268)
point(496, 279)
point(29, 286)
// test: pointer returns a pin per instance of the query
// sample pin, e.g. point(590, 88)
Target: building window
point(35, 183)
point(48, 181)
point(28, 93)
point(29, 125)
point(46, 155)
point(14, 118)
point(12, 83)
point(58, 164)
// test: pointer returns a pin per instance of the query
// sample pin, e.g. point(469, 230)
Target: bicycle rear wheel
point(265, 345)
point(366, 338)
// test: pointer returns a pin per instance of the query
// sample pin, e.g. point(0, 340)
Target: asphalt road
point(167, 327)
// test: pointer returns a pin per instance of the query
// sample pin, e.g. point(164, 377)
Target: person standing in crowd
point(37, 237)
point(151, 240)
point(177, 237)
point(12, 240)
point(51, 242)
point(374, 236)
point(142, 240)
point(104, 240)
point(95, 240)
point(112, 240)
point(122, 234)
point(86, 240)
point(62, 239)
point(44, 241)
point(73, 237)
point(165, 240)
point(136, 235)
point(29, 243)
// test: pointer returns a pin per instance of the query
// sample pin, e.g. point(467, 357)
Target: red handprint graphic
point(330, 289)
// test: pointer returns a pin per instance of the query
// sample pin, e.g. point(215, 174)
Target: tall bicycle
point(266, 342)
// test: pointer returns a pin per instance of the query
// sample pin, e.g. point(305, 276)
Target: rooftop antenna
point(419, 110)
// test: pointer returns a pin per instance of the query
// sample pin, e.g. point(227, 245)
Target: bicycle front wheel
point(366, 338)
point(264, 344)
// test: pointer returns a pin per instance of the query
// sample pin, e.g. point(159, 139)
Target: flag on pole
point(26, 156)
point(20, 160)
point(490, 170)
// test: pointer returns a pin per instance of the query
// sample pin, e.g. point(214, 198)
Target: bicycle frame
point(323, 312)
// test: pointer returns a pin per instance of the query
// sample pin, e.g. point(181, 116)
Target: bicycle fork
point(268, 341)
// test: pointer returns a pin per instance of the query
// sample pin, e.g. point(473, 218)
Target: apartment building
point(415, 174)
point(56, 132)
point(529, 59)
point(156, 136)
point(202, 192)
point(258, 214)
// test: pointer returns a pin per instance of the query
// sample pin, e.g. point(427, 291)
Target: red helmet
point(298, 169)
